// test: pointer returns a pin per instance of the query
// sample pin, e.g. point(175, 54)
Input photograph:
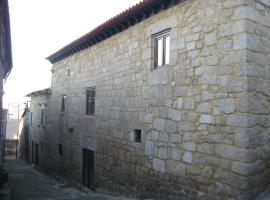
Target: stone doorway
point(88, 169)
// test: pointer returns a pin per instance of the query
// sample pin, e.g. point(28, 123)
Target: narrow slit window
point(161, 49)
point(64, 102)
point(90, 100)
point(60, 149)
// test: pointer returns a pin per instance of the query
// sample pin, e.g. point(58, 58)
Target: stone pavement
point(27, 183)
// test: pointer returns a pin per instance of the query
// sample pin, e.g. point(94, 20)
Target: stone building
point(167, 100)
point(5, 67)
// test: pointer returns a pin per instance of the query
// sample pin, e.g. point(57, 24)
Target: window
point(137, 135)
point(60, 149)
point(68, 72)
point(161, 49)
point(31, 119)
point(90, 100)
point(42, 117)
point(64, 101)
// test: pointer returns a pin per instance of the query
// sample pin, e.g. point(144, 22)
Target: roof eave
point(119, 23)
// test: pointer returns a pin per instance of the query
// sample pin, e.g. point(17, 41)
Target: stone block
point(163, 153)
point(226, 105)
point(176, 154)
point(159, 124)
point(248, 137)
point(175, 167)
point(149, 148)
point(191, 46)
point(204, 107)
point(206, 148)
point(207, 119)
point(254, 103)
point(171, 126)
point(210, 39)
point(184, 126)
point(159, 165)
point(232, 179)
point(234, 153)
point(247, 168)
point(176, 138)
point(189, 146)
point(187, 157)
point(175, 115)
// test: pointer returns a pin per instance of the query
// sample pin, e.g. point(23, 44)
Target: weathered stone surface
point(189, 146)
point(159, 165)
point(204, 108)
point(175, 168)
point(206, 148)
point(226, 105)
point(234, 153)
point(159, 124)
point(254, 103)
point(210, 39)
point(163, 152)
point(175, 114)
point(149, 148)
point(187, 157)
point(247, 168)
point(207, 119)
point(204, 117)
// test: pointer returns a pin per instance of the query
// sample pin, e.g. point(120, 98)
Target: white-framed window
point(161, 49)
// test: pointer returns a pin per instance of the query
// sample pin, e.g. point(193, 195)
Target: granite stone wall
point(204, 118)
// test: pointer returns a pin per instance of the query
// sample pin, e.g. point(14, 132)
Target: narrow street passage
point(27, 183)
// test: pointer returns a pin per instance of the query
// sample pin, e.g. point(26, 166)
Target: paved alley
point(27, 183)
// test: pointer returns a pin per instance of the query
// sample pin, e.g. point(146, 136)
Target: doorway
point(88, 168)
point(36, 154)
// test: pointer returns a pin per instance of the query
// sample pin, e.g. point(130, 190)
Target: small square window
point(60, 149)
point(161, 49)
point(137, 135)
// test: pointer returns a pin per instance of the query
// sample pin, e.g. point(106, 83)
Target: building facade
point(168, 100)
point(5, 67)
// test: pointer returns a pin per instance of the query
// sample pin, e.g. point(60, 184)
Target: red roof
point(120, 22)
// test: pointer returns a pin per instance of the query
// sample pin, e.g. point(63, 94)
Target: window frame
point(156, 37)
point(90, 109)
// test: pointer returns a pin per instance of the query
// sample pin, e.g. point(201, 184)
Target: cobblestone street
point(27, 183)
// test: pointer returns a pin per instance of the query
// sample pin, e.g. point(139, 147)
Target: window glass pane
point(90, 101)
point(167, 54)
point(160, 51)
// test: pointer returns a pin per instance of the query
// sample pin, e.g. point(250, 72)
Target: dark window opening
point(64, 101)
point(137, 135)
point(90, 100)
point(68, 72)
point(161, 49)
point(60, 149)
point(42, 117)
point(31, 119)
